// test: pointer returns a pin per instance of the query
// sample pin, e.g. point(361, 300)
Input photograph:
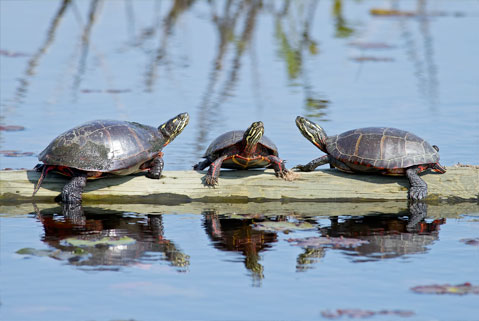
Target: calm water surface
point(111, 265)
point(229, 63)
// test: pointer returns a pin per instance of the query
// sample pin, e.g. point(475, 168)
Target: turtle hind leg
point(418, 189)
point(309, 167)
point(156, 168)
point(72, 191)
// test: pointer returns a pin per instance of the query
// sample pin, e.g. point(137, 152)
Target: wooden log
point(459, 183)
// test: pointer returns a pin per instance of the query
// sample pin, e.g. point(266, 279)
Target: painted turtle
point(240, 149)
point(102, 147)
point(382, 150)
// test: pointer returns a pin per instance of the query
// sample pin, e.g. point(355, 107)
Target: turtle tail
point(45, 170)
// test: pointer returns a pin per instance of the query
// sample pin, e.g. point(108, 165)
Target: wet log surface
point(459, 183)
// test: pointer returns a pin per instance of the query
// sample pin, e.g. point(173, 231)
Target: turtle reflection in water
point(377, 237)
point(237, 235)
point(386, 151)
point(107, 240)
point(103, 147)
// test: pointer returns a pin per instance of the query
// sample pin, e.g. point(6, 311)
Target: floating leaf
point(472, 241)
point(371, 45)
point(372, 59)
point(90, 91)
point(391, 12)
point(11, 128)
point(117, 91)
point(32, 251)
point(15, 153)
point(12, 54)
point(360, 313)
point(125, 240)
point(283, 226)
point(55, 254)
point(318, 242)
point(460, 289)
point(108, 91)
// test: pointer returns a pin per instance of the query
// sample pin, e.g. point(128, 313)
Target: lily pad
point(283, 226)
point(460, 289)
point(125, 240)
point(53, 253)
point(34, 252)
point(318, 242)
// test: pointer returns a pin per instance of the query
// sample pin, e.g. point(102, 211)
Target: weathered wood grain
point(459, 183)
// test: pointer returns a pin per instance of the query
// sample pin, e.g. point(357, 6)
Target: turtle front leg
point(309, 167)
point(418, 189)
point(72, 191)
point(278, 165)
point(156, 168)
point(213, 174)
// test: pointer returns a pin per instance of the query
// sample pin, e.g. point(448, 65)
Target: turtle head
point(173, 127)
point(313, 132)
point(252, 136)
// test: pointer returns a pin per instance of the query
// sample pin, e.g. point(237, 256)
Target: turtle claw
point(417, 193)
point(211, 181)
point(287, 175)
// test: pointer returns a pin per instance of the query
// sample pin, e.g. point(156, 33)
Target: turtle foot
point(211, 181)
point(72, 191)
point(417, 193)
point(287, 175)
point(153, 175)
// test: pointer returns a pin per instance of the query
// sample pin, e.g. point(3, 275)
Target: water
point(115, 265)
point(65, 63)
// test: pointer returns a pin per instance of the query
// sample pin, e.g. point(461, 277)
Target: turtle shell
point(233, 137)
point(381, 148)
point(104, 146)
